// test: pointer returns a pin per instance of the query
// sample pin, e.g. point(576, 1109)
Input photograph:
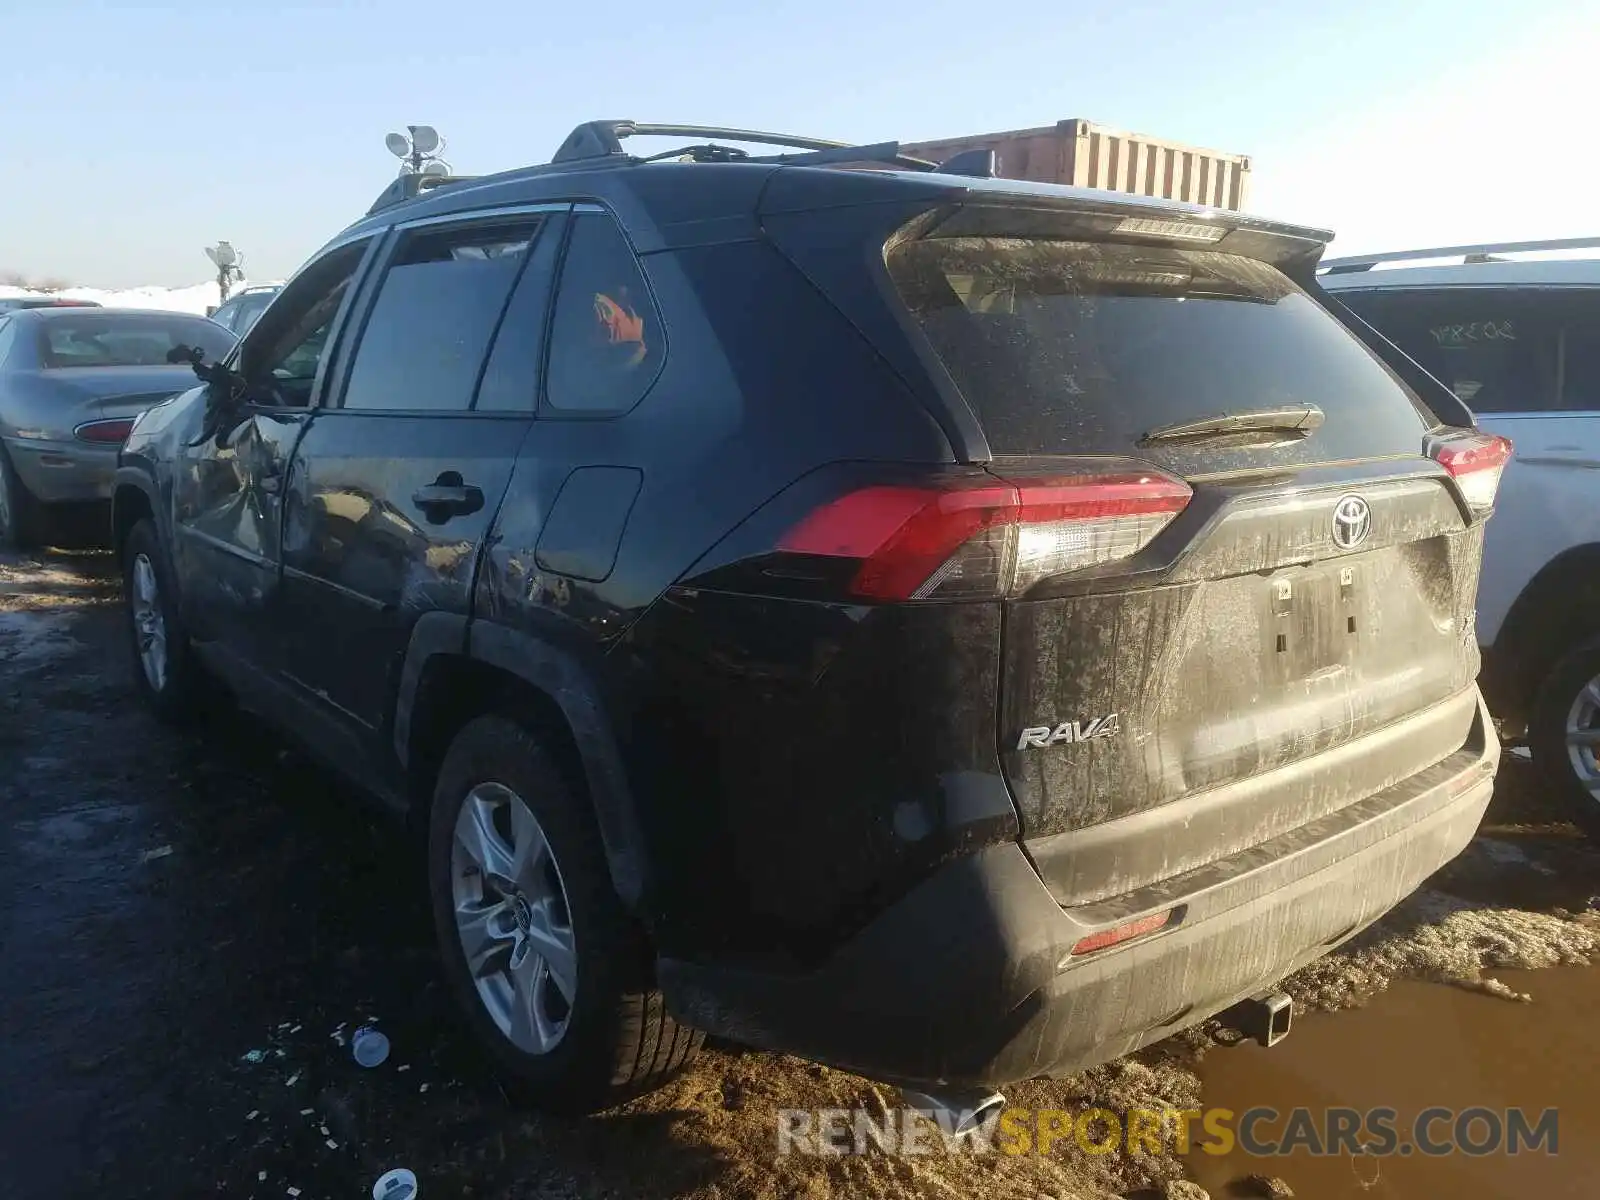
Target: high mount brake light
point(1476, 462)
point(987, 537)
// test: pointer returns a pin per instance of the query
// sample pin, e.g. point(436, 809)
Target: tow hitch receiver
point(1266, 1017)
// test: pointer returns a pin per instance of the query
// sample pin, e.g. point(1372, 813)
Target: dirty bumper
point(970, 978)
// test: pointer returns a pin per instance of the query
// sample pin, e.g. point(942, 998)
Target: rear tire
point(1564, 735)
point(575, 1023)
point(20, 521)
point(165, 669)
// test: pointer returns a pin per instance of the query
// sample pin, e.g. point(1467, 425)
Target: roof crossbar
point(603, 139)
point(1365, 262)
point(599, 139)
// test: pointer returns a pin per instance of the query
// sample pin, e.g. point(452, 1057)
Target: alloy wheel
point(513, 918)
point(149, 626)
point(1583, 737)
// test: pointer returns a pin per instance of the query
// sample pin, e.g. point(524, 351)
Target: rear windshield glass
point(1075, 347)
point(104, 339)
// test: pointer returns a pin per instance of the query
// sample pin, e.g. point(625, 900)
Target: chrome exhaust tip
point(958, 1111)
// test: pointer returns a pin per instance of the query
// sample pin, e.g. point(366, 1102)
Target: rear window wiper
point(1296, 419)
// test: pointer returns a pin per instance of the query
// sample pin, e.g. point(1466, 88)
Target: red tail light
point(986, 537)
point(1475, 461)
point(112, 432)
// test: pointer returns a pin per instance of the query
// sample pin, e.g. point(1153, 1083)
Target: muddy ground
point(190, 924)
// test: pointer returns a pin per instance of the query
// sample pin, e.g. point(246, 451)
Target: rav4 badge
point(1037, 737)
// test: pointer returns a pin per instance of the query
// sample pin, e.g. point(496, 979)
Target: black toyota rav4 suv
point(952, 628)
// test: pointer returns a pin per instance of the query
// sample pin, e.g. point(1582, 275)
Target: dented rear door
point(396, 486)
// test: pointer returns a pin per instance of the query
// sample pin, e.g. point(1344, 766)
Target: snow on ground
point(1438, 937)
point(193, 299)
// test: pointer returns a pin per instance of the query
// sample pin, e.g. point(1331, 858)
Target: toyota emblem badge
point(1352, 521)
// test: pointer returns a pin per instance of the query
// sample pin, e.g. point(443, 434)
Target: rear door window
point(510, 380)
point(1085, 348)
point(436, 312)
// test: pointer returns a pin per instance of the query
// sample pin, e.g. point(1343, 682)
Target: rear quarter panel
point(763, 382)
point(1549, 502)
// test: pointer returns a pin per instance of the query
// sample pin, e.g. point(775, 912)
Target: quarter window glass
point(435, 315)
point(8, 334)
point(606, 344)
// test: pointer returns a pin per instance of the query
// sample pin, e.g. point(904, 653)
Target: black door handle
point(446, 497)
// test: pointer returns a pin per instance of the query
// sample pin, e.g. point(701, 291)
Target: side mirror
point(225, 409)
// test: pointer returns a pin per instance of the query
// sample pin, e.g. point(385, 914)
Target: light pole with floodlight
point(230, 266)
point(418, 150)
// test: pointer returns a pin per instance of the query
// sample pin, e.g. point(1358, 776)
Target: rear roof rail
point(1483, 253)
point(599, 144)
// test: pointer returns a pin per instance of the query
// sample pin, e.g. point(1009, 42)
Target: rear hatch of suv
point(1237, 555)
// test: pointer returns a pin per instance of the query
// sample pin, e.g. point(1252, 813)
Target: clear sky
point(136, 131)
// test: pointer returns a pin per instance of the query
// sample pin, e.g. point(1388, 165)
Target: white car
point(1518, 340)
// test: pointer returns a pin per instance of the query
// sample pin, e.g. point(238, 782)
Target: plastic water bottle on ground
point(398, 1184)
point(369, 1046)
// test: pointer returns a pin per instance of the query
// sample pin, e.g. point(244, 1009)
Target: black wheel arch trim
point(1532, 636)
point(433, 634)
point(124, 477)
point(561, 676)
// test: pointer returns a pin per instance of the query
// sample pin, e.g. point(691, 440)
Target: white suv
point(1518, 340)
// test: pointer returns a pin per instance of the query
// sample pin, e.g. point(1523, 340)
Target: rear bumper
point(63, 472)
point(969, 978)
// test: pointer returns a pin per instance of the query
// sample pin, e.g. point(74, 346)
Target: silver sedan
point(72, 380)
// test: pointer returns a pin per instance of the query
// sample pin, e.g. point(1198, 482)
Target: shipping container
point(1085, 154)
